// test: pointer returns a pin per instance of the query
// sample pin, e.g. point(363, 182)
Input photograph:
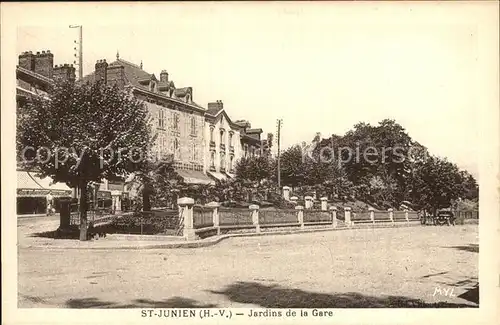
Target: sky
point(318, 68)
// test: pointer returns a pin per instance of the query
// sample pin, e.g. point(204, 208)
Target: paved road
point(351, 268)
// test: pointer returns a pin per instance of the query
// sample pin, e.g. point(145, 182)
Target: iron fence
point(317, 216)
point(202, 217)
point(278, 216)
point(234, 216)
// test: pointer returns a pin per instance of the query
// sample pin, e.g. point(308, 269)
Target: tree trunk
point(146, 202)
point(83, 211)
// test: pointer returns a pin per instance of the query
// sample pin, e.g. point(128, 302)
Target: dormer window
point(152, 86)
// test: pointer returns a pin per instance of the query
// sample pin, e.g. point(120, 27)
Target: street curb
point(217, 239)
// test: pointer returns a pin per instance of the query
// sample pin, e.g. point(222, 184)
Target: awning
point(194, 176)
point(218, 176)
point(104, 194)
point(28, 184)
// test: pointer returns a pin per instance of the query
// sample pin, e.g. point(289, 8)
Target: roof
point(254, 131)
point(139, 78)
point(34, 75)
point(214, 111)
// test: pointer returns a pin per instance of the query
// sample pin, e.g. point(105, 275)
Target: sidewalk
point(120, 242)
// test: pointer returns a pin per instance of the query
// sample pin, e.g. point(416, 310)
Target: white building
point(222, 142)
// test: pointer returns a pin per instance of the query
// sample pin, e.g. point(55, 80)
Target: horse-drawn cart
point(441, 218)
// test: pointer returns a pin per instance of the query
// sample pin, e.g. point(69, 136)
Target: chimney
point(101, 71)
point(64, 72)
point(27, 61)
point(116, 75)
point(163, 76)
point(218, 105)
point(44, 63)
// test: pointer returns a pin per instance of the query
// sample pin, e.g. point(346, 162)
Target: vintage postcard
point(250, 162)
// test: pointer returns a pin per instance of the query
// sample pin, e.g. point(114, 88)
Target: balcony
point(222, 147)
point(212, 168)
point(231, 149)
point(222, 169)
point(212, 145)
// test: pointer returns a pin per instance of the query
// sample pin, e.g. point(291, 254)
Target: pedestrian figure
point(49, 199)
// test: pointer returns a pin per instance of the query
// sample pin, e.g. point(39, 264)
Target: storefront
point(32, 193)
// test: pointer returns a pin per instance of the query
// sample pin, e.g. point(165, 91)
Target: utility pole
point(278, 138)
point(80, 51)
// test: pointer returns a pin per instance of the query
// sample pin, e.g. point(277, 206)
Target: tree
point(292, 169)
point(435, 184)
point(254, 169)
point(157, 182)
point(84, 133)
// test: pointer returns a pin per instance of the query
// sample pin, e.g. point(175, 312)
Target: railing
point(222, 147)
point(399, 215)
point(284, 216)
point(381, 215)
point(361, 216)
point(202, 217)
point(231, 149)
point(204, 221)
point(229, 216)
point(467, 214)
point(212, 145)
point(317, 216)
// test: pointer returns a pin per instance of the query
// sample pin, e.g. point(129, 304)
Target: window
point(175, 122)
point(193, 125)
point(230, 139)
point(231, 163)
point(222, 136)
point(161, 118)
point(211, 133)
point(152, 86)
point(194, 152)
point(222, 161)
point(212, 159)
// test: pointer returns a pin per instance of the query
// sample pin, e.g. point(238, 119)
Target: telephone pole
point(278, 138)
point(80, 51)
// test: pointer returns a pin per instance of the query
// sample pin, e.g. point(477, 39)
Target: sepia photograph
point(251, 161)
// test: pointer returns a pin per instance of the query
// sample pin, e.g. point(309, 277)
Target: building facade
point(178, 122)
point(222, 144)
point(35, 73)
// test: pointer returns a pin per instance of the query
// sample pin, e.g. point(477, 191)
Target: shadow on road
point(473, 248)
point(175, 302)
point(274, 296)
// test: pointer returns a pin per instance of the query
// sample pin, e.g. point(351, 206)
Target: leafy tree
point(436, 183)
point(83, 133)
point(292, 169)
point(254, 169)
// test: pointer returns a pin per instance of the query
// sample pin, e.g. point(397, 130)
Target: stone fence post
point(391, 214)
point(255, 216)
point(372, 214)
point(324, 203)
point(308, 202)
point(347, 211)
point(300, 215)
point(186, 214)
point(294, 199)
point(215, 214)
point(406, 216)
point(286, 193)
point(333, 211)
